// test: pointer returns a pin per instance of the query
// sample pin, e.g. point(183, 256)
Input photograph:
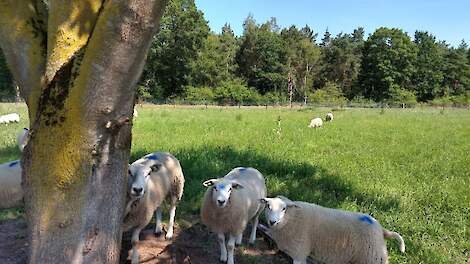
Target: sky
point(448, 20)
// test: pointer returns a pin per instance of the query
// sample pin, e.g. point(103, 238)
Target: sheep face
point(275, 209)
point(221, 190)
point(139, 176)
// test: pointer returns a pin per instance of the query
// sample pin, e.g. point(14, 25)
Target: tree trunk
point(77, 63)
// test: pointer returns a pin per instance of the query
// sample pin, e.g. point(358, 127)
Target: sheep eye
point(230, 189)
point(283, 209)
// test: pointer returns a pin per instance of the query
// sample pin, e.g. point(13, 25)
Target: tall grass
point(407, 168)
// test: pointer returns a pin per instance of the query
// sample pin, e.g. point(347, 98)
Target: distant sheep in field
point(152, 179)
point(329, 117)
point(229, 204)
point(315, 123)
point(11, 193)
point(22, 138)
point(330, 235)
point(9, 118)
point(135, 114)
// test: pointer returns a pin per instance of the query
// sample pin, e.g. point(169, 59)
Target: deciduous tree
point(76, 63)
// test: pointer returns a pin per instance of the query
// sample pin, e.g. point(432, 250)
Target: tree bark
point(78, 75)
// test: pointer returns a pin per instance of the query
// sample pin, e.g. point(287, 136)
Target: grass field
point(410, 169)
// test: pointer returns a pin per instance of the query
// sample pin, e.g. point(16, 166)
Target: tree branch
point(22, 39)
point(69, 27)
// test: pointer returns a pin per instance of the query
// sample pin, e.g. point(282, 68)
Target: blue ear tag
point(242, 169)
point(220, 186)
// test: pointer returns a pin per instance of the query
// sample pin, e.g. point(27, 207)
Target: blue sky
point(447, 20)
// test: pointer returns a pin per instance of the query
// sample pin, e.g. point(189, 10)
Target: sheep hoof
point(169, 235)
point(223, 258)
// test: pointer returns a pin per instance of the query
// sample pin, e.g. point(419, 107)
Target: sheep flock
point(230, 203)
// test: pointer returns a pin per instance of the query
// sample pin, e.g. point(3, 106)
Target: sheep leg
point(239, 239)
point(135, 242)
point(169, 233)
point(253, 230)
point(304, 261)
point(223, 249)
point(158, 221)
point(230, 248)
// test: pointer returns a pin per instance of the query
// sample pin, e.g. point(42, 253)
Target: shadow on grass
point(296, 180)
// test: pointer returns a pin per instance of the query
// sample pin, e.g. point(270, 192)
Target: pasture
point(408, 168)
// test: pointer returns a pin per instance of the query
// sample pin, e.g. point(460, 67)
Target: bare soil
point(192, 243)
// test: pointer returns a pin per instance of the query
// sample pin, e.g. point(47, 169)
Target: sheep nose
point(137, 190)
point(221, 202)
point(271, 222)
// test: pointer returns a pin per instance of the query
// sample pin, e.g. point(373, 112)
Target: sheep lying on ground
point(316, 122)
point(330, 235)
point(229, 203)
point(22, 138)
point(11, 193)
point(329, 117)
point(151, 179)
point(9, 118)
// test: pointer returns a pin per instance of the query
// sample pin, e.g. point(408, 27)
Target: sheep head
point(139, 175)
point(276, 208)
point(221, 190)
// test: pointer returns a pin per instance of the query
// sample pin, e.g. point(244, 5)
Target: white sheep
point(11, 193)
point(316, 122)
point(22, 138)
point(151, 179)
point(330, 235)
point(135, 114)
point(230, 203)
point(329, 117)
point(9, 118)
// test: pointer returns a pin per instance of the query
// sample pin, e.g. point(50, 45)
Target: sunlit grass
point(409, 168)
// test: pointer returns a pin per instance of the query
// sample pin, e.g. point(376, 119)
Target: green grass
point(410, 169)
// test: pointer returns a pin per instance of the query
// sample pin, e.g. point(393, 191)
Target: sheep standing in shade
point(230, 203)
point(332, 236)
point(151, 179)
point(315, 123)
point(22, 138)
point(9, 118)
point(329, 117)
point(11, 193)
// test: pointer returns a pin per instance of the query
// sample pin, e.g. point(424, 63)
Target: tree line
point(269, 64)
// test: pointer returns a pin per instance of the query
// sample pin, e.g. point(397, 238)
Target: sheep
point(135, 114)
point(22, 138)
point(151, 179)
point(11, 193)
point(229, 203)
point(9, 118)
point(329, 117)
point(316, 122)
point(330, 235)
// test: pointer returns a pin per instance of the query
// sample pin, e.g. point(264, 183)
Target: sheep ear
point(155, 167)
point(236, 185)
point(291, 204)
point(288, 202)
point(209, 183)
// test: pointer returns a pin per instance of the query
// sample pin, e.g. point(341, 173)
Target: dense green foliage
point(7, 91)
point(388, 66)
point(407, 168)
